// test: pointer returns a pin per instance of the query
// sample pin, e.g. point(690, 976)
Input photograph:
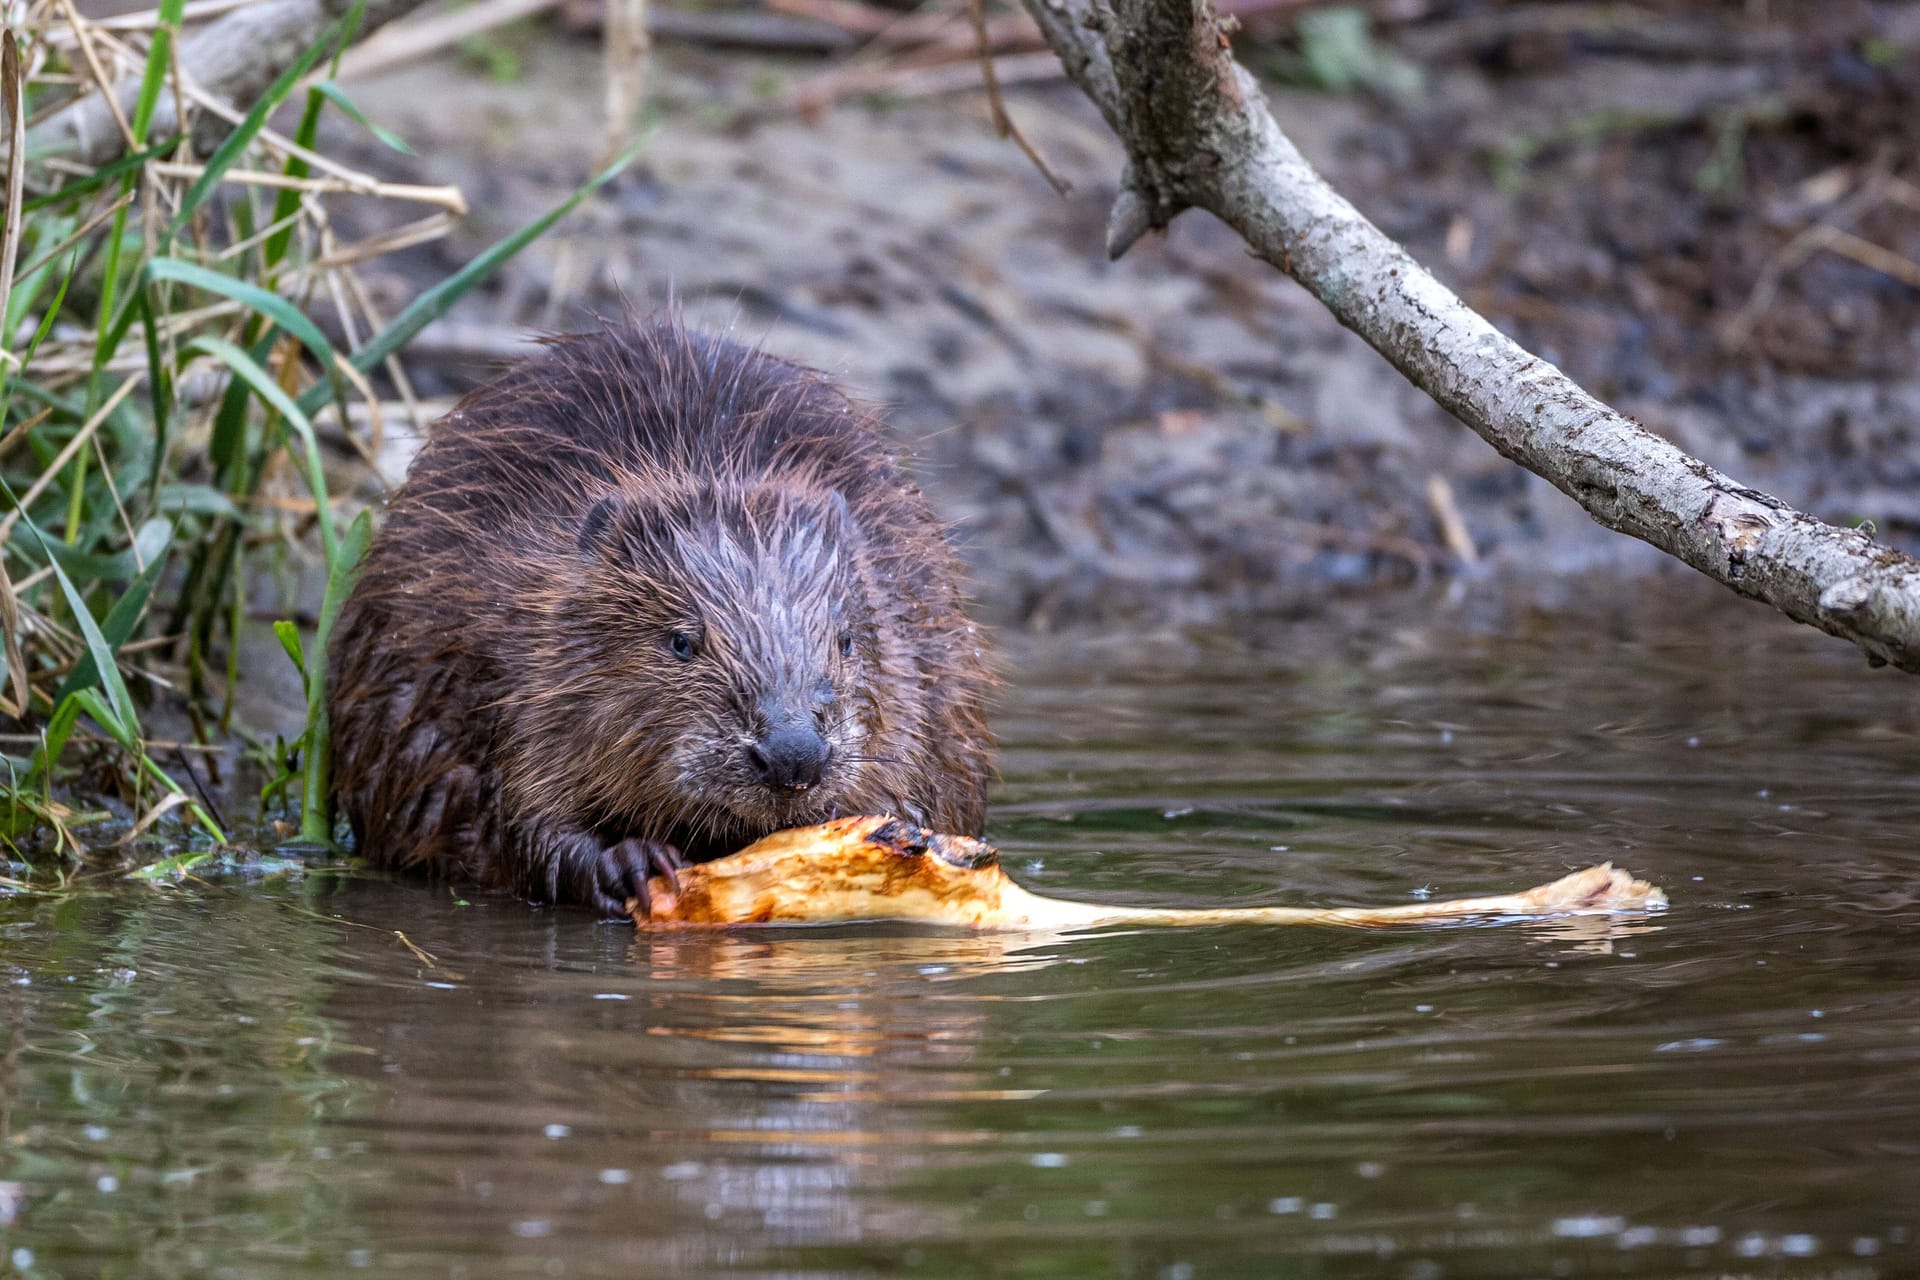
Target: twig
point(424, 957)
point(422, 37)
point(279, 143)
point(61, 459)
point(102, 81)
point(172, 801)
point(1453, 526)
point(1198, 134)
point(1002, 122)
point(149, 19)
point(745, 29)
point(848, 15)
point(448, 198)
point(1868, 254)
point(13, 89)
point(958, 76)
point(86, 229)
point(1803, 245)
point(624, 48)
point(421, 231)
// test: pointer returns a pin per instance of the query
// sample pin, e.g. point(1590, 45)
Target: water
point(257, 1077)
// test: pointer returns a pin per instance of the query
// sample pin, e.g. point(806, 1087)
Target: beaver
point(643, 599)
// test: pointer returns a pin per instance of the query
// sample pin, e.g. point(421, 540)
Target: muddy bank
point(1185, 432)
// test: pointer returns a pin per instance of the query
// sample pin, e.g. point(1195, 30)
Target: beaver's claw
point(620, 878)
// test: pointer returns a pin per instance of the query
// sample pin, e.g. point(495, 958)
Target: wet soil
point(1633, 193)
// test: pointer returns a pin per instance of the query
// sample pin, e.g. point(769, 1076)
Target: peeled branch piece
point(882, 869)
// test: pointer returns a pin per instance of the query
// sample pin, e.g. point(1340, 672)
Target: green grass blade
point(151, 544)
point(12, 223)
point(195, 500)
point(120, 701)
point(338, 96)
point(289, 636)
point(264, 301)
point(248, 369)
point(126, 722)
point(100, 177)
point(60, 726)
point(288, 201)
point(316, 808)
point(227, 446)
point(90, 701)
point(229, 151)
point(434, 303)
point(159, 62)
point(159, 395)
point(86, 566)
point(53, 310)
point(39, 334)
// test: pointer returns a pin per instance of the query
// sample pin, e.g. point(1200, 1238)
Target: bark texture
point(1198, 134)
point(234, 57)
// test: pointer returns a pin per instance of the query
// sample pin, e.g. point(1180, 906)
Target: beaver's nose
point(790, 758)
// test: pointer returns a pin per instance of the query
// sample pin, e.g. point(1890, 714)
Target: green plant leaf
point(173, 868)
point(229, 151)
point(316, 801)
point(52, 312)
point(151, 545)
point(94, 705)
point(115, 712)
point(338, 96)
point(290, 641)
point(159, 62)
point(226, 447)
point(100, 177)
point(248, 369)
point(159, 394)
point(288, 201)
point(433, 304)
point(127, 735)
point(121, 703)
point(60, 725)
point(195, 500)
point(265, 301)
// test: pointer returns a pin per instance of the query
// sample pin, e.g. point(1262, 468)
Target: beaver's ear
point(837, 520)
point(620, 529)
point(596, 530)
point(840, 512)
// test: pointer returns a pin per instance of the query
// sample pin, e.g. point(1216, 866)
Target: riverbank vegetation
point(188, 341)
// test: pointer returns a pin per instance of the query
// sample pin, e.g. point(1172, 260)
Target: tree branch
point(236, 56)
point(1198, 134)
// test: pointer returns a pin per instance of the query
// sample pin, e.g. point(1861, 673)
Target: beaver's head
point(725, 664)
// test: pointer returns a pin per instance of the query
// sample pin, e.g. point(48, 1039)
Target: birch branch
point(1198, 134)
point(235, 57)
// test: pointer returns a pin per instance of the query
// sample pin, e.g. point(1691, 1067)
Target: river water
point(252, 1075)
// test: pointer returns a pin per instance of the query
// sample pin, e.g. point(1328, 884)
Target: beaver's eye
point(680, 644)
point(846, 644)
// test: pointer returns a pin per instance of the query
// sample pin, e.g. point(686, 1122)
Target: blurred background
point(1705, 211)
point(226, 332)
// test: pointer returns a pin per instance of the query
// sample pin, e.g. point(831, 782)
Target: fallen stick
point(873, 868)
point(236, 56)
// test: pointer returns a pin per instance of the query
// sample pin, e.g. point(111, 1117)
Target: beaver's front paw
point(621, 873)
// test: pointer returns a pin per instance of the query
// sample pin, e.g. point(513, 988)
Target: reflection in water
point(223, 1080)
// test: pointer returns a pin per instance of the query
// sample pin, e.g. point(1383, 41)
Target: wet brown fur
point(504, 702)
